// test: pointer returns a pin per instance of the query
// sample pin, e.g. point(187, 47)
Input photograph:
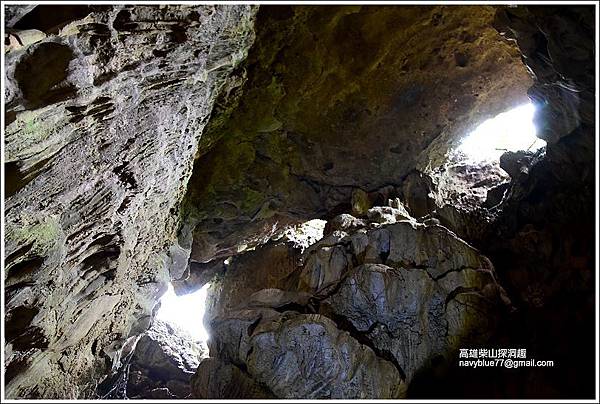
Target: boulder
point(372, 307)
point(163, 362)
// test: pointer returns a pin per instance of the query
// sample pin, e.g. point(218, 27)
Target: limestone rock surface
point(147, 144)
point(104, 115)
point(163, 361)
point(372, 304)
point(218, 379)
point(339, 103)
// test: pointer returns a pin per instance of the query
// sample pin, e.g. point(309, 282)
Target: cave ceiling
point(343, 98)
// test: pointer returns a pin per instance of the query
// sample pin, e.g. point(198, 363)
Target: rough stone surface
point(307, 356)
point(413, 318)
point(221, 380)
point(330, 113)
point(103, 121)
point(164, 358)
point(297, 355)
point(537, 228)
point(371, 306)
point(269, 266)
point(543, 242)
point(341, 102)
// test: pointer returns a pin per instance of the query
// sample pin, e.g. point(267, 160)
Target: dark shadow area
point(51, 18)
point(41, 75)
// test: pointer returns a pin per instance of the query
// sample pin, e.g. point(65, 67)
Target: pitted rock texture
point(295, 355)
point(103, 115)
point(269, 266)
point(557, 44)
point(340, 99)
point(543, 243)
point(317, 360)
point(373, 303)
point(413, 317)
point(536, 228)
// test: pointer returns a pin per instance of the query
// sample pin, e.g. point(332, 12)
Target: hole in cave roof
point(185, 312)
point(473, 167)
point(512, 130)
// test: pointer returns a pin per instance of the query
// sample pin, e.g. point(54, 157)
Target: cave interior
point(298, 202)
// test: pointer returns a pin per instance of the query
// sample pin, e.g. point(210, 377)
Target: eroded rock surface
point(536, 227)
point(372, 304)
point(317, 360)
point(103, 120)
point(339, 100)
point(216, 378)
point(333, 112)
point(543, 244)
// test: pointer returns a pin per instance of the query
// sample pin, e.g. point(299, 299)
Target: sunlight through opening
point(186, 312)
point(509, 131)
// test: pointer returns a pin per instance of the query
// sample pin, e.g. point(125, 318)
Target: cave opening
point(477, 172)
point(513, 130)
point(185, 312)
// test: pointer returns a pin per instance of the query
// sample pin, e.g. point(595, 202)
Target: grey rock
point(388, 214)
point(274, 265)
point(108, 108)
point(13, 13)
point(401, 293)
point(306, 356)
point(197, 275)
point(324, 267)
point(406, 313)
point(432, 221)
point(165, 357)
point(290, 150)
point(343, 222)
point(231, 334)
point(277, 298)
point(434, 248)
point(220, 380)
point(104, 117)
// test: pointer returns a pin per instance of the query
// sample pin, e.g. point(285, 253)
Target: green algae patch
point(33, 133)
point(42, 233)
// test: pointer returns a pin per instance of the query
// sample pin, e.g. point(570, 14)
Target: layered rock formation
point(103, 120)
point(162, 363)
point(148, 144)
point(543, 243)
point(157, 364)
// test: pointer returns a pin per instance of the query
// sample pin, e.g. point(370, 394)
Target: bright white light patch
point(186, 312)
point(509, 131)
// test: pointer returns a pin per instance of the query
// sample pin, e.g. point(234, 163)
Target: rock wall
point(536, 229)
point(104, 111)
point(361, 313)
point(543, 244)
point(162, 364)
